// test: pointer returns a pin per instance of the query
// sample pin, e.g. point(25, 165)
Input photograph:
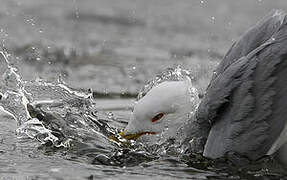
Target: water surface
point(104, 51)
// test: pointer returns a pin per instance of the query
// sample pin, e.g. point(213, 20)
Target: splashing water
point(170, 74)
point(49, 112)
point(62, 118)
point(58, 116)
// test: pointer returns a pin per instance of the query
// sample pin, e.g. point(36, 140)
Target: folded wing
point(246, 101)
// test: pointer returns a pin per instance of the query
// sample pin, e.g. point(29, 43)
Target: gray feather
point(252, 39)
point(246, 101)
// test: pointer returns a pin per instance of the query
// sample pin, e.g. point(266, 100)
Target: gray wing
point(257, 35)
point(246, 101)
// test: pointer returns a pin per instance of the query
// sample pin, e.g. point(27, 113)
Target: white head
point(165, 105)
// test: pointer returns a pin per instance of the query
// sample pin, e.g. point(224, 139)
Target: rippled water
point(69, 80)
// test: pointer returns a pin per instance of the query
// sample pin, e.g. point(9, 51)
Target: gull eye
point(157, 117)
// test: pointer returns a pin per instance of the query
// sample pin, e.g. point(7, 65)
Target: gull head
point(166, 106)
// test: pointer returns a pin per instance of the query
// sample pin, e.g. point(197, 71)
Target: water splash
point(59, 116)
point(14, 96)
point(170, 74)
point(52, 113)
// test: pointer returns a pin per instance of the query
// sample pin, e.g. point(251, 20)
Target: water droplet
point(190, 115)
point(38, 58)
point(104, 42)
point(77, 15)
point(134, 67)
point(55, 169)
point(213, 19)
point(110, 115)
point(201, 2)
